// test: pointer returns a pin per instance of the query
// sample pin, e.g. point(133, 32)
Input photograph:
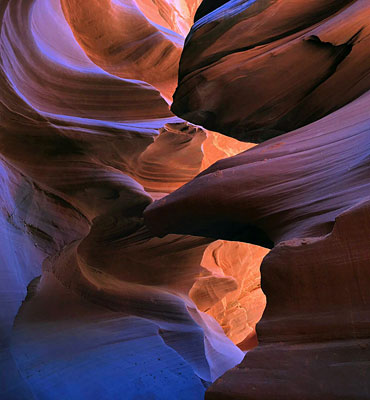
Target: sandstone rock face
point(87, 141)
point(257, 69)
point(131, 239)
point(230, 289)
point(181, 142)
point(121, 38)
point(289, 187)
point(305, 193)
point(314, 334)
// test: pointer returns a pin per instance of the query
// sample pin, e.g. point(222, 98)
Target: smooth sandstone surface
point(254, 70)
point(83, 152)
point(305, 193)
point(131, 240)
point(293, 186)
point(314, 334)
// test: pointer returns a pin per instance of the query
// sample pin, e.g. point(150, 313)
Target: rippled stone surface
point(87, 142)
point(314, 334)
point(257, 69)
point(305, 193)
point(129, 264)
point(289, 187)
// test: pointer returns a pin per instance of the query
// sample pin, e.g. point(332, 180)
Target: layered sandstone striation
point(257, 69)
point(87, 142)
point(131, 239)
point(293, 186)
point(305, 193)
point(229, 289)
point(314, 334)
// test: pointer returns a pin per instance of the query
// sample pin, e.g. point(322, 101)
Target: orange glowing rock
point(230, 289)
point(119, 38)
point(106, 291)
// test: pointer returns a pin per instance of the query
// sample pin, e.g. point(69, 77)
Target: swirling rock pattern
point(257, 69)
point(123, 296)
point(314, 335)
point(230, 289)
point(289, 187)
point(87, 141)
point(305, 193)
point(120, 39)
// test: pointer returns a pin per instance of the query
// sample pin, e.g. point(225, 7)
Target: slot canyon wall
point(137, 210)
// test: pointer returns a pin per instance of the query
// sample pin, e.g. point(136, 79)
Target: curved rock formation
point(257, 69)
point(304, 193)
point(314, 334)
point(230, 289)
point(181, 143)
point(176, 15)
point(76, 144)
point(76, 87)
point(127, 296)
point(120, 39)
point(289, 187)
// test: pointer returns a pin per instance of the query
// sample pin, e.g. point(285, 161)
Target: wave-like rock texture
point(87, 141)
point(293, 186)
point(106, 292)
point(257, 69)
point(314, 334)
point(229, 289)
point(122, 39)
point(305, 194)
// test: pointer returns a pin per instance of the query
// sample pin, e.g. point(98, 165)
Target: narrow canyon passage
point(185, 190)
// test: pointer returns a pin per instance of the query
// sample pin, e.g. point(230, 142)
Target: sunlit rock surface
point(117, 36)
point(289, 187)
point(314, 334)
point(182, 145)
point(230, 289)
point(257, 69)
point(87, 141)
point(305, 194)
point(122, 272)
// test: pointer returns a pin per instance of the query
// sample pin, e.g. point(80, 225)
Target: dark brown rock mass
point(264, 68)
point(257, 69)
